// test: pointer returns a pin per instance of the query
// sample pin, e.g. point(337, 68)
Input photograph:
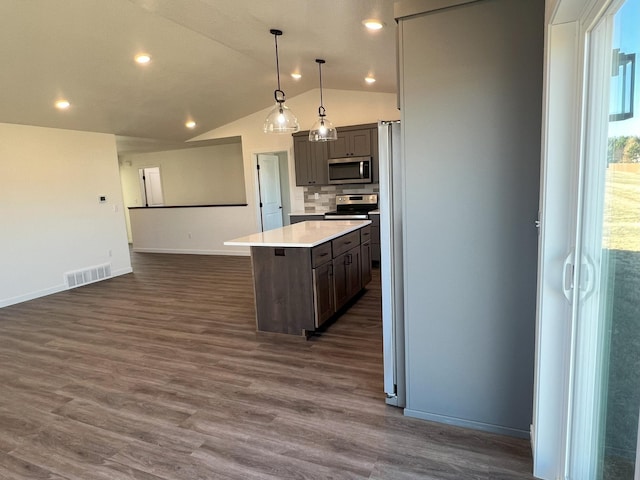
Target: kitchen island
point(305, 273)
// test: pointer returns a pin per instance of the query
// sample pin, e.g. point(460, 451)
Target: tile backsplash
point(327, 194)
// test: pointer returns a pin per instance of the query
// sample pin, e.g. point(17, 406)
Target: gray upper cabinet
point(351, 143)
point(310, 160)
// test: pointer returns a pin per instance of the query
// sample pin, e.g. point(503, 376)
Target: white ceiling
point(212, 60)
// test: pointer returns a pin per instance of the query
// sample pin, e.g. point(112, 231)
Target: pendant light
point(280, 119)
point(323, 130)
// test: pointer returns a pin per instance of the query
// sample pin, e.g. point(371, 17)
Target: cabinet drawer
point(345, 242)
point(365, 234)
point(320, 254)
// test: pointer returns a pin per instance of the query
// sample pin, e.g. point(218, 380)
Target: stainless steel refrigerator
point(391, 262)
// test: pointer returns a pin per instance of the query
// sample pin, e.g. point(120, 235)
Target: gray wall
point(471, 95)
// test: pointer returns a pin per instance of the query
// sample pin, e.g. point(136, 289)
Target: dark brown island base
point(305, 273)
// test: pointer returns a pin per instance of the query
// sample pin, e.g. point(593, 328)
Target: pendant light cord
point(278, 94)
point(321, 110)
point(277, 62)
point(320, 69)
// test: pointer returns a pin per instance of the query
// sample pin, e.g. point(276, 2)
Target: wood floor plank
point(160, 375)
point(12, 468)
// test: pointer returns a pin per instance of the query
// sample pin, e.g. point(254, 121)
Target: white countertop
point(303, 234)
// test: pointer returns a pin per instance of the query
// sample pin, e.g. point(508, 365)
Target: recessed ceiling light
point(142, 58)
point(370, 79)
point(190, 124)
point(372, 24)
point(296, 76)
point(62, 104)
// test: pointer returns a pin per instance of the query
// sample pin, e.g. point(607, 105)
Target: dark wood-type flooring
point(160, 375)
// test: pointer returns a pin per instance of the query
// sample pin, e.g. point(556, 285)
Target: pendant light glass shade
point(280, 119)
point(323, 130)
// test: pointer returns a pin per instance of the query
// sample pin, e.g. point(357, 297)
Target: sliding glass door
point(604, 400)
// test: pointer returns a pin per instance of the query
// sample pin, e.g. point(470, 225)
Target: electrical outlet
point(316, 196)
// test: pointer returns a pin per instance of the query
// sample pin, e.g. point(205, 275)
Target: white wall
point(191, 230)
point(52, 221)
point(192, 176)
point(343, 108)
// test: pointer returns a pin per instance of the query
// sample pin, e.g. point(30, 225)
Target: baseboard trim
point(234, 253)
point(459, 422)
point(55, 289)
point(32, 295)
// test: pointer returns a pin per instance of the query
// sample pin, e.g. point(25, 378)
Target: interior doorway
point(151, 187)
point(273, 189)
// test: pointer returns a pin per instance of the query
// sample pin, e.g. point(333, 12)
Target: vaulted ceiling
point(213, 61)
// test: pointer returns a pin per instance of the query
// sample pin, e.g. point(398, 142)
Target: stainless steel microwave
point(350, 170)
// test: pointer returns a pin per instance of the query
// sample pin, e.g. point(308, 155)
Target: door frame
point(568, 24)
point(260, 188)
point(560, 140)
point(143, 185)
point(589, 331)
point(286, 210)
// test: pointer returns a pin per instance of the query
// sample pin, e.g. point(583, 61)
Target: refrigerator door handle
point(568, 270)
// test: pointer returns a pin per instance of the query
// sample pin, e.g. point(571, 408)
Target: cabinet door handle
point(347, 243)
point(324, 254)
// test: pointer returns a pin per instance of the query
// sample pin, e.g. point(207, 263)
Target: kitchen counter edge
point(304, 235)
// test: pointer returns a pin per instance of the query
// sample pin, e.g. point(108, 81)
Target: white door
point(270, 196)
point(151, 185)
point(605, 373)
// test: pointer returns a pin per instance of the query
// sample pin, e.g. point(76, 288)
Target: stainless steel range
point(353, 207)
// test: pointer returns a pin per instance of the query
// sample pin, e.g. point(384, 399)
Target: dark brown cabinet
point(346, 276)
point(357, 141)
point(297, 289)
point(365, 263)
point(323, 298)
point(365, 255)
point(310, 160)
point(305, 218)
point(351, 143)
point(375, 238)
